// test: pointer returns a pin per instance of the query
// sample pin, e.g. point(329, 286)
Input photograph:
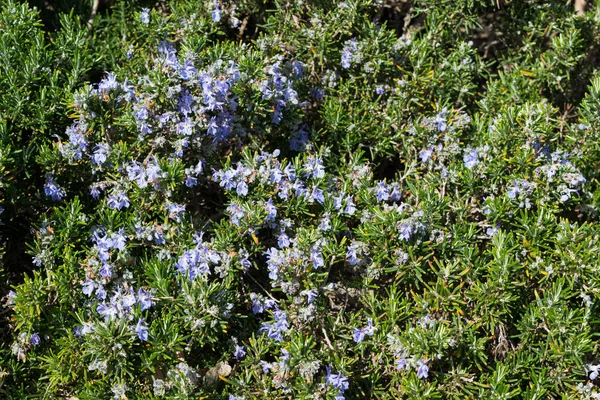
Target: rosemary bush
point(301, 200)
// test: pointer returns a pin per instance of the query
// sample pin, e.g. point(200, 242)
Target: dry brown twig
point(580, 6)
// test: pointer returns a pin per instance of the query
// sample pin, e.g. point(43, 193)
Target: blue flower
point(141, 113)
point(10, 297)
point(185, 128)
point(513, 190)
point(382, 192)
point(299, 140)
point(258, 306)
point(34, 339)
point(318, 195)
point(136, 172)
point(297, 69)
point(278, 112)
point(188, 70)
point(118, 240)
point(244, 262)
point(359, 333)
point(216, 12)
point(283, 240)
point(101, 293)
point(239, 352)
point(153, 171)
point(396, 194)
point(426, 154)
point(275, 330)
point(266, 367)
point(350, 206)
point(314, 167)
point(401, 364)
point(100, 154)
point(311, 295)
point(108, 83)
point(422, 369)
point(299, 188)
point(142, 330)
point(144, 299)
point(317, 93)
point(593, 370)
point(337, 201)
point(185, 102)
point(440, 120)
point(325, 224)
point(144, 128)
point(190, 181)
point(406, 231)
point(106, 270)
point(471, 159)
point(236, 213)
point(78, 331)
point(493, 230)
point(37, 260)
point(316, 257)
point(52, 190)
point(286, 355)
point(145, 17)
point(338, 381)
point(95, 191)
point(176, 211)
point(118, 200)
point(196, 261)
point(351, 254)
point(77, 138)
point(348, 53)
point(274, 261)
point(241, 188)
point(271, 210)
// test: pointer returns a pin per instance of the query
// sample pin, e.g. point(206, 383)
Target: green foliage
point(261, 199)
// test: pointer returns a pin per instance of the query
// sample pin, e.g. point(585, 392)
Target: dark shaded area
point(387, 168)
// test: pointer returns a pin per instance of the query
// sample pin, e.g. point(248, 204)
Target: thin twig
point(93, 14)
point(327, 338)
point(262, 287)
point(243, 27)
point(580, 6)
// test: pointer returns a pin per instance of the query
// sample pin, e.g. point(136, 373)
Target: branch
point(93, 14)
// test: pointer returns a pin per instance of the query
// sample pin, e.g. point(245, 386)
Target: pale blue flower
point(471, 159)
point(118, 200)
point(142, 330)
point(426, 154)
point(311, 295)
point(239, 352)
point(350, 206)
point(216, 12)
point(593, 370)
point(338, 381)
point(382, 192)
point(348, 53)
point(145, 16)
point(440, 121)
point(52, 190)
point(422, 369)
point(401, 364)
point(34, 339)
